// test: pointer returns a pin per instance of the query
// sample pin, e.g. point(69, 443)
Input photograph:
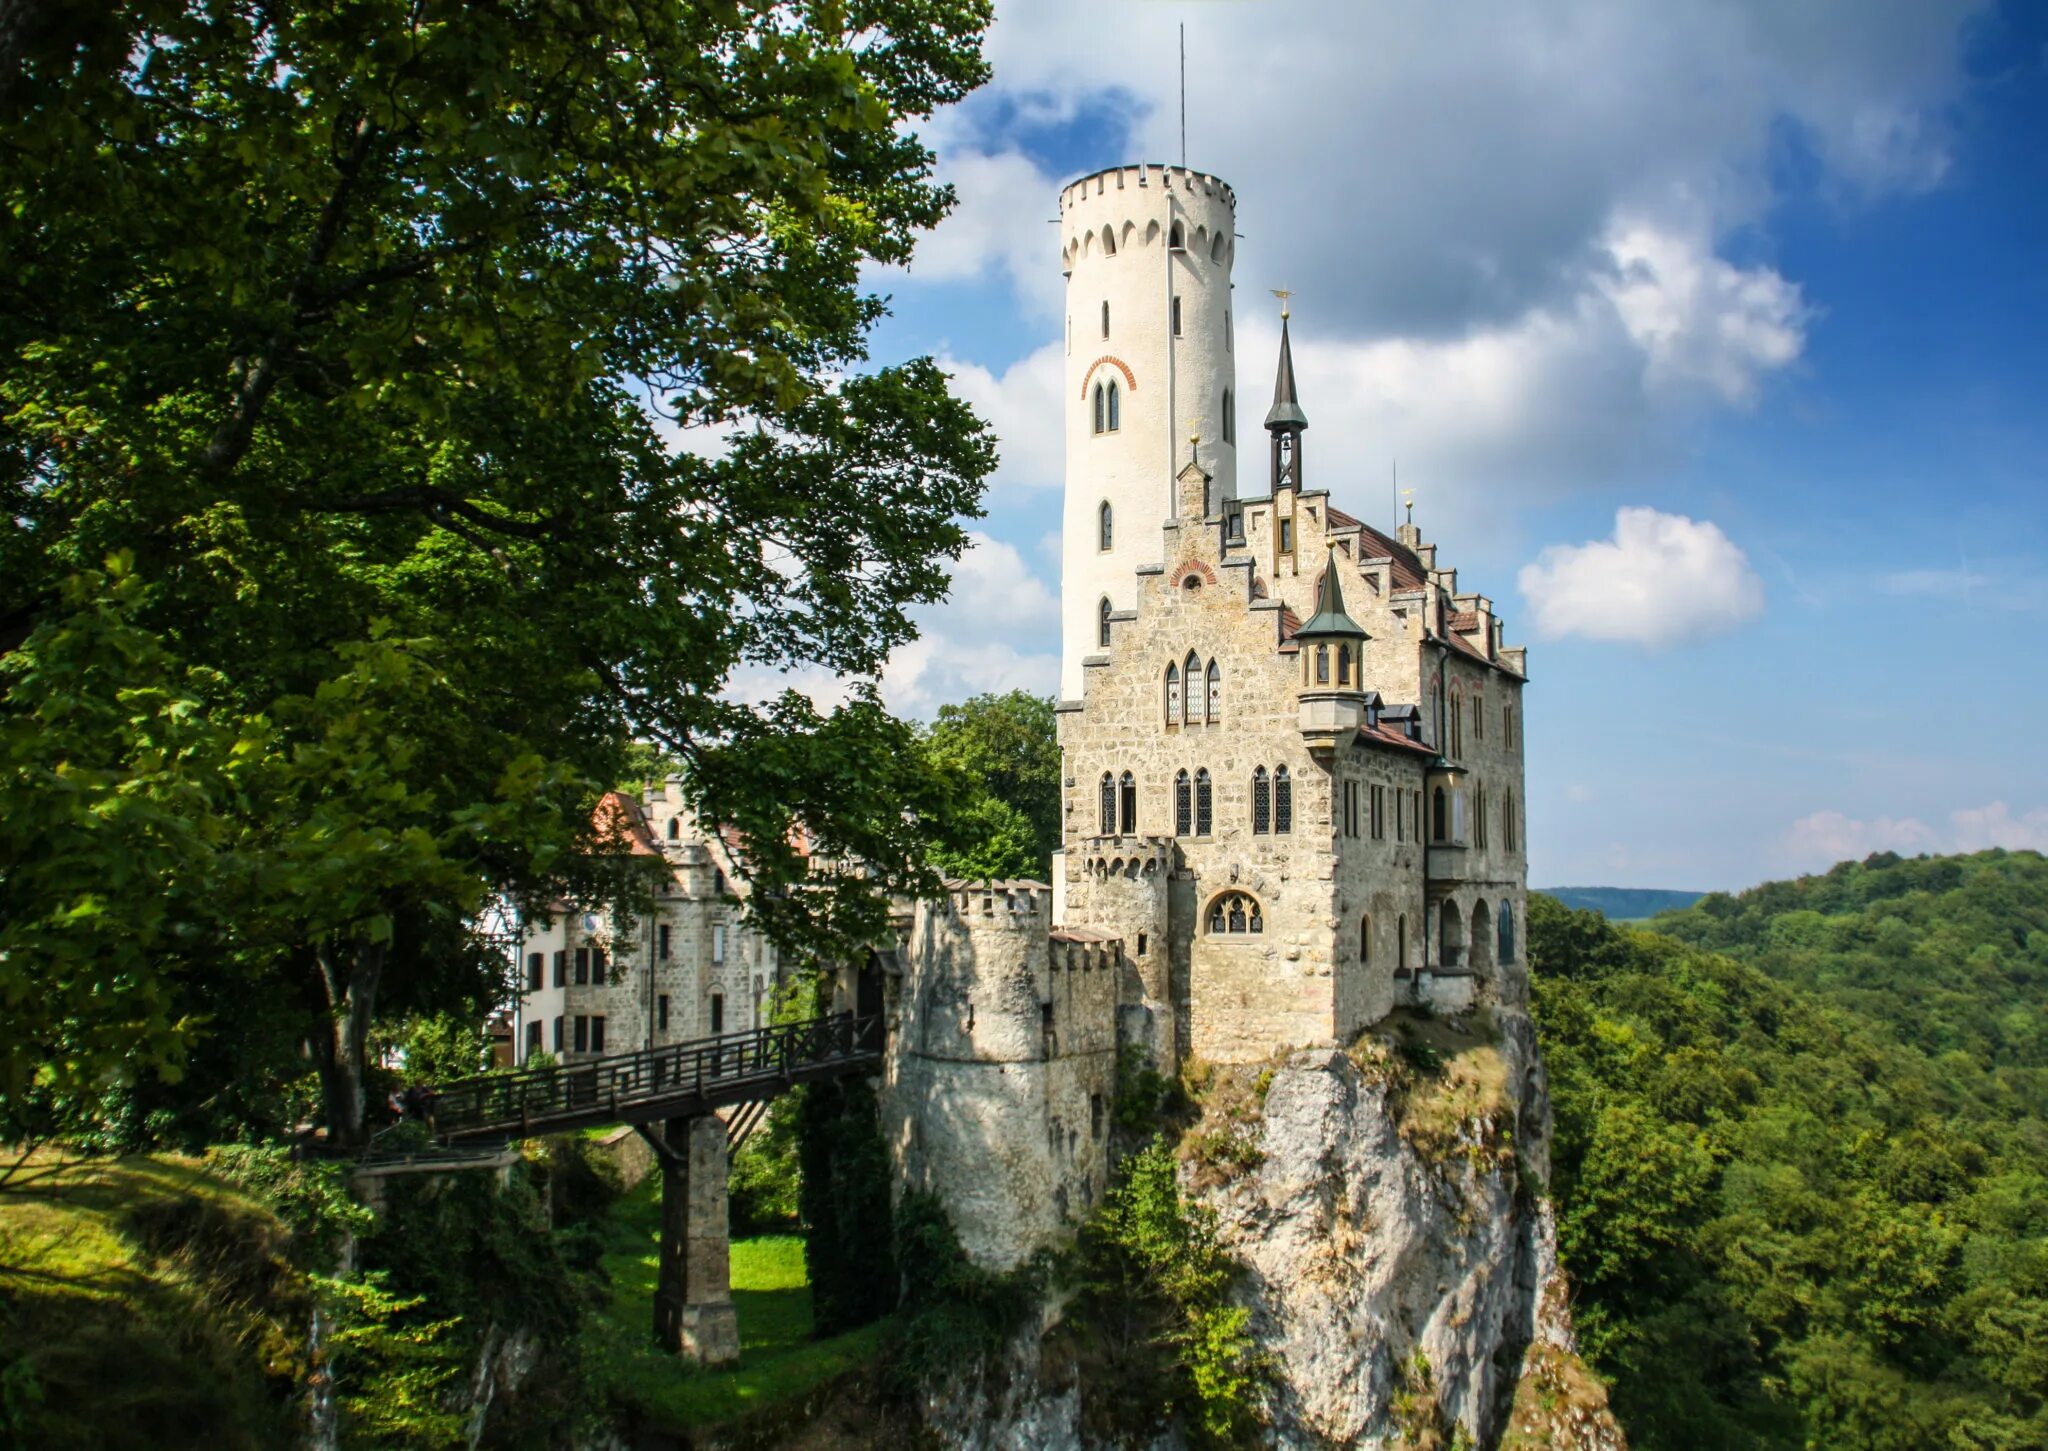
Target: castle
point(1292, 783)
point(1292, 757)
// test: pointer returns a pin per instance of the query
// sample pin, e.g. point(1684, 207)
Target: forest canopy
point(1802, 1179)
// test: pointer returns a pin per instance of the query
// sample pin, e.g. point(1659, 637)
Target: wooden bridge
point(654, 1085)
point(672, 1096)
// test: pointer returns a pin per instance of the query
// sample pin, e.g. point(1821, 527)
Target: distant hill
point(1623, 904)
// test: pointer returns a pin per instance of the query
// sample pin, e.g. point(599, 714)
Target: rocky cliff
point(1386, 1207)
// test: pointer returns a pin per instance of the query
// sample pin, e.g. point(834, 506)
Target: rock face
point(1398, 1253)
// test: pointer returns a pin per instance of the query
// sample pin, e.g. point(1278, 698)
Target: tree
point(1002, 754)
point(364, 336)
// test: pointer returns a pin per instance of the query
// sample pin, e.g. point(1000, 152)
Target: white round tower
point(1147, 252)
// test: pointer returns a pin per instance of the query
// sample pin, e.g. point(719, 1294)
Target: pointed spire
point(1329, 621)
point(1286, 410)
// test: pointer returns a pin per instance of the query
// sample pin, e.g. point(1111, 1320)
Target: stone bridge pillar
point(693, 1311)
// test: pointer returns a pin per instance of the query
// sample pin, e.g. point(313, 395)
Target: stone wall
point(1001, 1070)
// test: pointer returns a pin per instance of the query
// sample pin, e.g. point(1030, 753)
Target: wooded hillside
point(1802, 1180)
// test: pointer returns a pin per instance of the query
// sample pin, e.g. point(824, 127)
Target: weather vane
point(1283, 294)
point(1408, 498)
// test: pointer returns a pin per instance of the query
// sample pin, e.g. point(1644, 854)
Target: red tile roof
point(1386, 735)
point(1465, 621)
point(1407, 568)
point(618, 822)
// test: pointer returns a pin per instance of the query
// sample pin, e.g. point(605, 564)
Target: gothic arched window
point(1105, 526)
point(1114, 420)
point(1172, 694)
point(1098, 407)
point(1344, 666)
point(1102, 623)
point(1215, 692)
point(1176, 238)
point(1108, 805)
point(1283, 801)
point(1198, 708)
point(1183, 805)
point(1262, 802)
point(1127, 791)
point(1235, 913)
point(675, 827)
point(1204, 801)
point(1322, 664)
point(1109, 241)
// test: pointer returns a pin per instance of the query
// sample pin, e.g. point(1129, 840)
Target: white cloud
point(1700, 321)
point(1818, 841)
point(982, 638)
point(1660, 579)
point(1024, 406)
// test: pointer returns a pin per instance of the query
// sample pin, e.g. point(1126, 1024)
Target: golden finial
point(1283, 294)
point(1408, 498)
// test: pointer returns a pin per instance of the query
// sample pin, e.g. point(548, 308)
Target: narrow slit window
point(1183, 805)
point(1215, 693)
point(1105, 319)
point(1105, 526)
point(1204, 803)
point(1102, 623)
point(1176, 317)
point(1283, 801)
point(1262, 802)
point(1127, 791)
point(1108, 805)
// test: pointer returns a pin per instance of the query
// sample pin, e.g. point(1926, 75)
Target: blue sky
point(1713, 338)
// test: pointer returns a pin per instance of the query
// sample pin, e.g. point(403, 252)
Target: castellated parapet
point(1001, 1071)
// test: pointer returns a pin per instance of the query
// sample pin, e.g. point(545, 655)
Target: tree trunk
point(350, 972)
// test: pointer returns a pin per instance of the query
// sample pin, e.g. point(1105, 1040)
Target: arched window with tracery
point(1235, 914)
point(1283, 801)
point(1198, 708)
point(1115, 420)
point(1262, 802)
point(1172, 694)
point(1204, 803)
point(1105, 527)
point(1183, 805)
point(1215, 702)
point(1127, 793)
point(1108, 805)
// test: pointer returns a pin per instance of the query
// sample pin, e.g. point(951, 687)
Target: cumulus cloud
point(1023, 404)
point(1660, 579)
point(1818, 841)
point(983, 638)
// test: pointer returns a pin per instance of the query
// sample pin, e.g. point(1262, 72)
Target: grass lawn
point(143, 1303)
point(770, 1293)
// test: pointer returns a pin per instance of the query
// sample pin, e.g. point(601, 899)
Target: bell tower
point(1147, 253)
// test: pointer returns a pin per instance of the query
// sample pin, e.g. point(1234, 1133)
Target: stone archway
point(1481, 952)
point(1450, 927)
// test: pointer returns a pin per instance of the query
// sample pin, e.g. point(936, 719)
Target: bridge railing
point(519, 1102)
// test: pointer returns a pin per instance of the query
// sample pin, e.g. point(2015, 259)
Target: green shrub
point(1162, 1337)
point(954, 1313)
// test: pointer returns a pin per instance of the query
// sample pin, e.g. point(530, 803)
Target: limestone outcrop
point(1398, 1258)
